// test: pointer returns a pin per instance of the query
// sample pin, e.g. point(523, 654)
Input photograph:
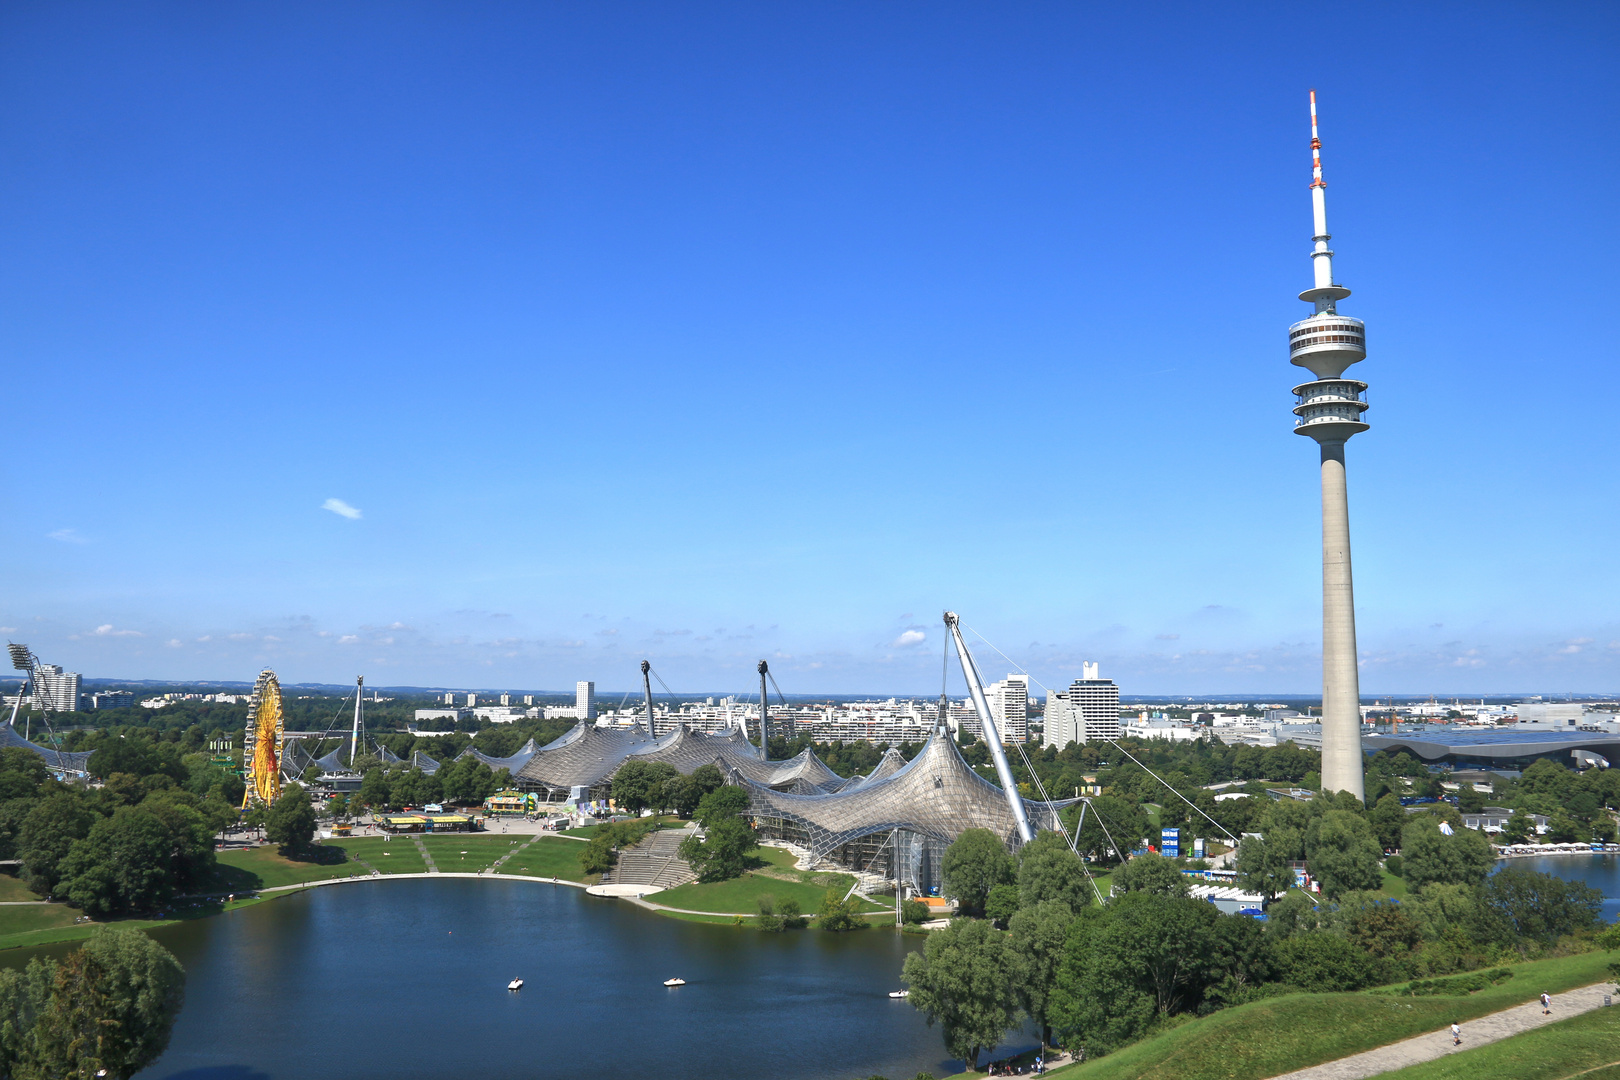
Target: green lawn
point(241, 869)
point(395, 856)
point(741, 895)
point(1393, 885)
point(1279, 1035)
point(1550, 1053)
point(481, 851)
point(26, 920)
point(13, 890)
point(549, 856)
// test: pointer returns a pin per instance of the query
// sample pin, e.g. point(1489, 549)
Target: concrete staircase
point(655, 862)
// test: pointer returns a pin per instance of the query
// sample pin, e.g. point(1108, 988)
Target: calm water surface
point(406, 980)
point(1602, 872)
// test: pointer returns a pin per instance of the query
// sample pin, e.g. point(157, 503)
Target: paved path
point(1478, 1032)
point(421, 847)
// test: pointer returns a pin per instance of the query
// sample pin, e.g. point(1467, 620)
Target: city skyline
point(440, 349)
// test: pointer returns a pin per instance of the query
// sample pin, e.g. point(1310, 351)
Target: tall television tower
point(1329, 410)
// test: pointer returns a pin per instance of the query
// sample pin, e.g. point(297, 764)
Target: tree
point(599, 855)
point(1153, 874)
point(639, 784)
point(1143, 957)
point(1036, 935)
point(22, 773)
point(1519, 828)
point(914, 912)
point(125, 864)
point(1562, 828)
point(1387, 819)
point(374, 788)
point(722, 853)
point(1111, 825)
point(839, 912)
point(1049, 870)
point(1262, 863)
point(963, 980)
point(973, 865)
point(290, 821)
point(1001, 904)
point(1323, 962)
point(723, 802)
point(111, 1006)
point(1541, 907)
point(1428, 855)
point(47, 834)
point(1342, 853)
point(1384, 930)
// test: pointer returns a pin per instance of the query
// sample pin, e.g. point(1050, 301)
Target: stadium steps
point(656, 861)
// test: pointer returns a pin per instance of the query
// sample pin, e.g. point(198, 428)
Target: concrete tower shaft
point(1328, 409)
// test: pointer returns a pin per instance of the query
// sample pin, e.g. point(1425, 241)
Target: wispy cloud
point(908, 638)
point(341, 509)
point(348, 639)
point(106, 630)
point(67, 536)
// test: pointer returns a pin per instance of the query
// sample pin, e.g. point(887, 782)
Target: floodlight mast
point(970, 672)
point(646, 688)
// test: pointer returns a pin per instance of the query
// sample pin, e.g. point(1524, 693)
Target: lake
point(406, 980)
point(1602, 872)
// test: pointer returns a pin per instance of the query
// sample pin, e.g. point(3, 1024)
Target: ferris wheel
point(262, 746)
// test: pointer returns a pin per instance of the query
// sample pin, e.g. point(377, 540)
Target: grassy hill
point(1587, 1046)
point(1275, 1036)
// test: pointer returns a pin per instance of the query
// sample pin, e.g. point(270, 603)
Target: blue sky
point(710, 332)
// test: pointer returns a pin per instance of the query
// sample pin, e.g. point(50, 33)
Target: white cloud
point(174, 643)
point(240, 637)
point(341, 509)
point(106, 630)
point(206, 637)
point(13, 630)
point(348, 639)
point(908, 638)
point(68, 536)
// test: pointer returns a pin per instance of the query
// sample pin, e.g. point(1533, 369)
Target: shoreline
point(242, 898)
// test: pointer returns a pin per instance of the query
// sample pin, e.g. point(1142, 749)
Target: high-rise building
point(1096, 699)
point(585, 700)
point(1009, 705)
point(1329, 410)
point(472, 700)
point(528, 699)
point(450, 699)
point(1088, 710)
point(1062, 721)
point(506, 699)
point(56, 690)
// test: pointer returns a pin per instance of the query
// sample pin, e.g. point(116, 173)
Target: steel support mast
point(354, 745)
point(970, 672)
point(646, 688)
point(764, 715)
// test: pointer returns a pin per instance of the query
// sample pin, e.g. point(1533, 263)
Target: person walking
point(1456, 1034)
point(1546, 1005)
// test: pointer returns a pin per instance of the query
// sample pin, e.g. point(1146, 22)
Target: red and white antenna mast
point(1322, 256)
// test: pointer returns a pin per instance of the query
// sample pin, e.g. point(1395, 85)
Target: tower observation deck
point(1328, 409)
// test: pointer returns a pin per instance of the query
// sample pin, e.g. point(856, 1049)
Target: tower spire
point(1324, 294)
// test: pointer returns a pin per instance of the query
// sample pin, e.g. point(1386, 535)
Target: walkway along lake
point(406, 980)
